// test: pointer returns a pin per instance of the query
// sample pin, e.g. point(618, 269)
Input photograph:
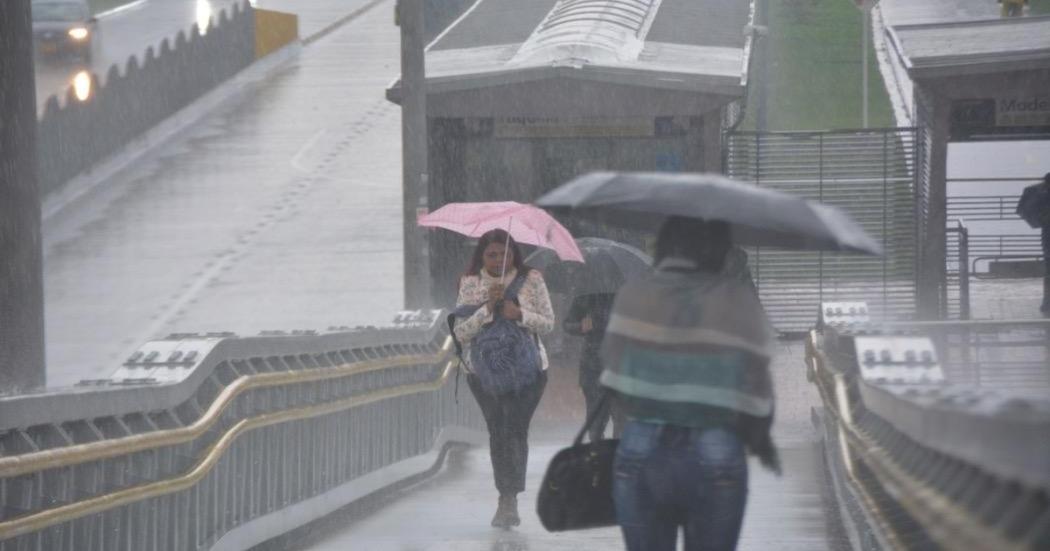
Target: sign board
point(1000, 118)
point(578, 127)
point(554, 127)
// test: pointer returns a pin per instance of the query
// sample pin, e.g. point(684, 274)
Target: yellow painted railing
point(72, 455)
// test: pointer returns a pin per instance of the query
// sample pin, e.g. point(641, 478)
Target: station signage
point(557, 127)
point(1010, 117)
point(572, 127)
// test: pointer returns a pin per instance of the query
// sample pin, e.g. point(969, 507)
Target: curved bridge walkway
point(452, 510)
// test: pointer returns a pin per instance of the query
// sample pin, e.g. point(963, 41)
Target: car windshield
point(59, 11)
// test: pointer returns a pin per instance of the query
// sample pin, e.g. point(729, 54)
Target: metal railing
point(1002, 244)
point(870, 174)
point(248, 438)
point(961, 275)
point(926, 458)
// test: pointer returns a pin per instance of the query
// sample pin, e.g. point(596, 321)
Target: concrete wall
point(79, 132)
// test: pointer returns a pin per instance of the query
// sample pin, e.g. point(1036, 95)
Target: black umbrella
point(608, 265)
point(758, 216)
point(1034, 206)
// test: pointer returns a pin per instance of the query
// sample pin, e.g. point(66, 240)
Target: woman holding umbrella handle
point(498, 279)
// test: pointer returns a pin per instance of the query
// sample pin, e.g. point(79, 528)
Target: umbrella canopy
point(608, 265)
point(525, 223)
point(1034, 205)
point(758, 216)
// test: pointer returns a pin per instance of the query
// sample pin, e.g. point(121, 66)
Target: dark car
point(63, 28)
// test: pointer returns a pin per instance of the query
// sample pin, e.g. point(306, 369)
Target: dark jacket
point(596, 306)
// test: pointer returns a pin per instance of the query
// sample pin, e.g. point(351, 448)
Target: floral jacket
point(536, 311)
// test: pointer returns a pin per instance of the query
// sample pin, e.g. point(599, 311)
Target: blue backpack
point(505, 356)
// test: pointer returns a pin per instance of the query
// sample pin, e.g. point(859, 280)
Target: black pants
point(590, 373)
point(508, 418)
point(1046, 264)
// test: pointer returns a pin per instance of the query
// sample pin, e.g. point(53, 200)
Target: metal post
point(866, 15)
point(414, 151)
point(964, 270)
point(21, 262)
point(762, 70)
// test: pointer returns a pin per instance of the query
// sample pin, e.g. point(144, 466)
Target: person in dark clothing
point(587, 318)
point(1045, 308)
point(1034, 208)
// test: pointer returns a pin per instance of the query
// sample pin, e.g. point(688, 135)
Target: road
point(281, 212)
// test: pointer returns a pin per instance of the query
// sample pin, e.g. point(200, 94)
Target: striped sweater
point(692, 349)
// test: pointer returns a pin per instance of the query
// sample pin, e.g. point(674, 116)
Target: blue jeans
point(666, 476)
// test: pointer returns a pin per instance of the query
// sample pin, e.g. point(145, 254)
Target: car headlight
point(78, 33)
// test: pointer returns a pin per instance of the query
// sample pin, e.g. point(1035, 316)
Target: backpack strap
point(464, 311)
point(467, 310)
point(515, 286)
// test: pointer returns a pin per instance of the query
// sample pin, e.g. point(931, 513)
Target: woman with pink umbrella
point(502, 310)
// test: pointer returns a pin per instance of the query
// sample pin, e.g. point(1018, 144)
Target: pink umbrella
point(525, 223)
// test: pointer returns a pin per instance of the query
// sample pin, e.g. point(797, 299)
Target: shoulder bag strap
point(591, 417)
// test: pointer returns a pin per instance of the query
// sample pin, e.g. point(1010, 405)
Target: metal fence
point(989, 238)
point(867, 173)
point(76, 134)
point(924, 455)
point(202, 441)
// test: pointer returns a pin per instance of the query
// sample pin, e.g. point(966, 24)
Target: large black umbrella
point(608, 265)
point(1034, 206)
point(758, 216)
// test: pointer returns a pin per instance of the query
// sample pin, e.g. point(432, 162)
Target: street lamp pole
point(414, 151)
point(21, 257)
point(865, 7)
point(866, 14)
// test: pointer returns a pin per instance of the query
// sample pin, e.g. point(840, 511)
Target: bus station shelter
point(523, 96)
point(973, 81)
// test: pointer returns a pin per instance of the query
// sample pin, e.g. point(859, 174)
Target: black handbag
point(577, 488)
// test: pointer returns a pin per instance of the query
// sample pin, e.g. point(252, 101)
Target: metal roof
point(907, 12)
point(687, 45)
point(973, 47)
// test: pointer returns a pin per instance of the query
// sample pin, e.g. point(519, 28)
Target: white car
point(63, 28)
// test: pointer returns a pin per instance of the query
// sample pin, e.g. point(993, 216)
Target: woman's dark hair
point(701, 241)
point(501, 237)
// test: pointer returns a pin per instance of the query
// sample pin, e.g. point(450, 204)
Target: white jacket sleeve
point(469, 292)
point(537, 314)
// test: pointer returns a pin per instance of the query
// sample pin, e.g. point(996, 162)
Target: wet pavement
point(280, 212)
point(1006, 299)
point(452, 511)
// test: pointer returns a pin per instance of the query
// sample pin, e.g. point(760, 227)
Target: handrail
point(816, 361)
point(898, 432)
point(81, 453)
point(51, 517)
point(922, 502)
